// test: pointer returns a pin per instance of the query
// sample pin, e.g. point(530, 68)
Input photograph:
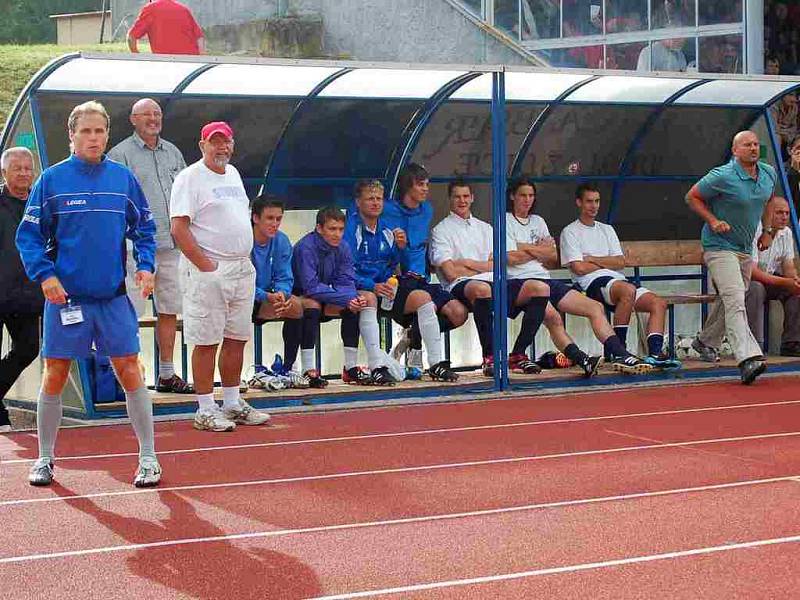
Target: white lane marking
point(420, 468)
point(350, 438)
point(389, 522)
point(565, 569)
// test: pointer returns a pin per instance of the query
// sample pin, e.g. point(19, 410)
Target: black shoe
point(790, 349)
point(441, 371)
point(752, 368)
point(487, 368)
point(356, 376)
point(590, 365)
point(174, 385)
point(520, 363)
point(381, 376)
point(314, 380)
point(630, 365)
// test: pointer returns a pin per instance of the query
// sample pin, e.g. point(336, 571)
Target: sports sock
point(350, 357)
point(309, 338)
point(534, 315)
point(165, 369)
point(575, 354)
point(415, 335)
point(307, 359)
point(48, 418)
point(482, 311)
point(429, 329)
point(613, 347)
point(349, 329)
point(140, 411)
point(368, 326)
point(206, 402)
point(230, 397)
point(622, 333)
point(655, 343)
point(292, 332)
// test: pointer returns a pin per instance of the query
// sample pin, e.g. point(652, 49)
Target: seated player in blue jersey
point(409, 217)
point(592, 252)
point(325, 277)
point(272, 258)
point(376, 254)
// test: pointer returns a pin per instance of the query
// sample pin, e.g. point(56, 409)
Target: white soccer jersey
point(527, 231)
point(579, 240)
point(455, 238)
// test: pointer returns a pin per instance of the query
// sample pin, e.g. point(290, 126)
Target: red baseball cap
point(216, 127)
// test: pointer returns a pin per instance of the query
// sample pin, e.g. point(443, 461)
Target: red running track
point(672, 492)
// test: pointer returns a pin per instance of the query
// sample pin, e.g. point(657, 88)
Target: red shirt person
point(170, 27)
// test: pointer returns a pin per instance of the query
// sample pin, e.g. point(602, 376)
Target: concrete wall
point(430, 31)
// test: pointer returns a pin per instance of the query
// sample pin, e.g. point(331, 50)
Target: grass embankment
point(19, 63)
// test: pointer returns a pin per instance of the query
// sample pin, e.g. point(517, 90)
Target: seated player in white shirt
point(592, 252)
point(528, 235)
point(461, 251)
point(775, 278)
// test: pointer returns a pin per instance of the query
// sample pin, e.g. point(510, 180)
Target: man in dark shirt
point(20, 298)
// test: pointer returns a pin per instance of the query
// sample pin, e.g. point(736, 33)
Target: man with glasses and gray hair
point(156, 163)
point(20, 298)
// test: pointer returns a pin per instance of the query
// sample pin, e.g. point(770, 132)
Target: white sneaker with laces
point(245, 415)
point(148, 474)
point(212, 420)
point(41, 472)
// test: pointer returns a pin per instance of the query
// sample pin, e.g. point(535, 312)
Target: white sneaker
point(293, 379)
point(212, 420)
point(148, 474)
point(6, 429)
point(245, 415)
point(265, 381)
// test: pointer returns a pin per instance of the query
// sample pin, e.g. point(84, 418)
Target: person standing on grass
point(169, 26)
point(732, 199)
point(211, 224)
point(156, 162)
point(72, 242)
point(20, 298)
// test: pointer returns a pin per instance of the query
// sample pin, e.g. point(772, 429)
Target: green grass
point(19, 63)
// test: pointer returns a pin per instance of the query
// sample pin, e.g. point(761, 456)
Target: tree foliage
point(29, 22)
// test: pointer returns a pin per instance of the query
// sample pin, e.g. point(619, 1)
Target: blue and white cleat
point(663, 362)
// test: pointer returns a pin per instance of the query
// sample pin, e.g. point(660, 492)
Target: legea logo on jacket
point(75, 203)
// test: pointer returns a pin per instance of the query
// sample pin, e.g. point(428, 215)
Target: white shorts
point(219, 304)
point(167, 292)
point(606, 291)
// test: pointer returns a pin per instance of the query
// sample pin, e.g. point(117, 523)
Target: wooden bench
point(678, 253)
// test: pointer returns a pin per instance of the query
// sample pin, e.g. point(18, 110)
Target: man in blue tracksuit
point(324, 275)
point(272, 258)
point(72, 242)
point(377, 255)
point(410, 220)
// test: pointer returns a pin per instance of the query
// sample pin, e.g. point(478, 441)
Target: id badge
point(71, 314)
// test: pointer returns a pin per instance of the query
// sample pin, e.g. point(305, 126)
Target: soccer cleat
point(630, 365)
point(589, 365)
point(314, 380)
point(487, 368)
point(401, 347)
point(382, 376)
point(174, 385)
point(752, 368)
point(520, 363)
point(245, 415)
point(707, 353)
point(41, 472)
point(662, 361)
point(148, 474)
point(441, 371)
point(356, 376)
point(212, 420)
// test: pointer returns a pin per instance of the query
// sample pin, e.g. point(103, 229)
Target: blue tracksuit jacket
point(273, 263)
point(416, 222)
point(75, 224)
point(323, 272)
point(375, 254)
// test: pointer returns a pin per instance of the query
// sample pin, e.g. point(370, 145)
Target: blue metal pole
point(499, 224)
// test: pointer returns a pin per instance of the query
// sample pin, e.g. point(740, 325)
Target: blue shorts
point(514, 288)
point(409, 283)
point(558, 289)
point(111, 325)
point(600, 290)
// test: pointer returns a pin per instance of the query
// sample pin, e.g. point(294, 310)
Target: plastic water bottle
point(386, 302)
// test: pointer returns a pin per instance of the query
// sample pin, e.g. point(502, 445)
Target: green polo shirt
point(735, 197)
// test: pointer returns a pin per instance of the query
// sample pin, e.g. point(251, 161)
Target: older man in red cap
point(210, 217)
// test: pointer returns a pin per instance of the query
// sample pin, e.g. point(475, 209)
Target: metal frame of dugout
point(307, 130)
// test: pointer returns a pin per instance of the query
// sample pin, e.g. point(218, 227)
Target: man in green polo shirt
point(732, 199)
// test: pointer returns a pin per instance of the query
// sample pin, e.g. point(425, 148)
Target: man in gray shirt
point(156, 162)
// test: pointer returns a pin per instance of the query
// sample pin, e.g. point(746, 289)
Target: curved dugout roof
point(308, 130)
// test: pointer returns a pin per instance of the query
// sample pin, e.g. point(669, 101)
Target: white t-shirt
point(782, 248)
point(528, 232)
point(579, 240)
point(455, 238)
point(218, 210)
